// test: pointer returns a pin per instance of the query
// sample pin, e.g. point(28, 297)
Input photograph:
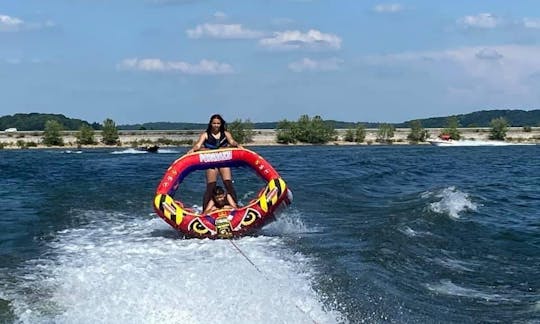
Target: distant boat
point(149, 148)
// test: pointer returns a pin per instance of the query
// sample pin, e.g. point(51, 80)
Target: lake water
point(376, 234)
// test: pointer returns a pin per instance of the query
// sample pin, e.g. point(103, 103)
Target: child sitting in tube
point(220, 200)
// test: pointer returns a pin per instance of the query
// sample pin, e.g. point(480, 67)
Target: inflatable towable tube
point(221, 223)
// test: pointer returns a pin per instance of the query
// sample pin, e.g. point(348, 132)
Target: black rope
point(259, 270)
point(245, 256)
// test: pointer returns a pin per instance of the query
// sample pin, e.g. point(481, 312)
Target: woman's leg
point(226, 176)
point(211, 178)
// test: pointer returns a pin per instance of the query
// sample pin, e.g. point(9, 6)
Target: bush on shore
point(357, 135)
point(417, 133)
point(52, 134)
point(385, 133)
point(306, 130)
point(241, 131)
point(499, 127)
point(109, 133)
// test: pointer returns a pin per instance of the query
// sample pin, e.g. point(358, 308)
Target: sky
point(137, 61)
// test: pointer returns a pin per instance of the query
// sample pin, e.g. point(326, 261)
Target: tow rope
point(265, 277)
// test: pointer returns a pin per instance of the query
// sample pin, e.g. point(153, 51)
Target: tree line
point(36, 121)
point(308, 130)
point(315, 130)
point(52, 134)
point(516, 118)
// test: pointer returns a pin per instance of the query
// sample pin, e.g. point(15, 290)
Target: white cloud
point(307, 64)
point(483, 20)
point(170, 2)
point(8, 23)
point(220, 15)
point(223, 31)
point(292, 40)
point(531, 23)
point(282, 22)
point(388, 8)
point(13, 24)
point(13, 61)
point(488, 54)
point(204, 67)
point(502, 69)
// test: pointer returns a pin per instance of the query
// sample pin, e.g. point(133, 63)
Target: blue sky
point(267, 60)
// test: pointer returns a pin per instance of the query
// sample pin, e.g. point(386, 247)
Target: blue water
point(386, 234)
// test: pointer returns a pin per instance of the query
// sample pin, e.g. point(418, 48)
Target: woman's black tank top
point(213, 143)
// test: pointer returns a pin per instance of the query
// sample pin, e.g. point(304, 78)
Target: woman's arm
point(197, 146)
point(231, 140)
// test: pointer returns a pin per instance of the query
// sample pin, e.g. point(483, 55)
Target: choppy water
point(408, 234)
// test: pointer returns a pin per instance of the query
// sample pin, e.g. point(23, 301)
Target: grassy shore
point(33, 139)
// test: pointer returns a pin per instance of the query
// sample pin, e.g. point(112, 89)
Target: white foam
point(452, 202)
point(288, 222)
point(136, 151)
point(132, 270)
point(456, 265)
point(129, 151)
point(169, 151)
point(447, 287)
point(409, 231)
point(442, 143)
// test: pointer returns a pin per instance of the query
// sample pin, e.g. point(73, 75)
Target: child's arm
point(231, 201)
point(209, 207)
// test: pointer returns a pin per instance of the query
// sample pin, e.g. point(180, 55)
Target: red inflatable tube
point(222, 223)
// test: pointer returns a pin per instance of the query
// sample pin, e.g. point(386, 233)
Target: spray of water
point(452, 202)
point(140, 271)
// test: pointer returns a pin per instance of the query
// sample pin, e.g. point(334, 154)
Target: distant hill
point(36, 121)
point(516, 118)
point(185, 126)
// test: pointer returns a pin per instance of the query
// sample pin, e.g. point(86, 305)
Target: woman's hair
point(218, 191)
point(223, 123)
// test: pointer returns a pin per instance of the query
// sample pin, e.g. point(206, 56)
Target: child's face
point(220, 198)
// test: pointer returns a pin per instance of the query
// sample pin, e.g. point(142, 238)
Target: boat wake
point(137, 151)
point(120, 271)
point(446, 143)
point(287, 223)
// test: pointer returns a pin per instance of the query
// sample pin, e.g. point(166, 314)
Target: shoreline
point(262, 137)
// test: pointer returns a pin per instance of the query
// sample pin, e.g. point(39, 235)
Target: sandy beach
point(134, 138)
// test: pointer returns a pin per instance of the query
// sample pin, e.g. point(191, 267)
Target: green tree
point(320, 131)
point(385, 133)
point(359, 133)
point(242, 131)
point(302, 130)
point(499, 127)
point(349, 135)
point(313, 130)
point(286, 132)
point(451, 128)
point(109, 132)
point(85, 136)
point(21, 144)
point(418, 133)
point(52, 134)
